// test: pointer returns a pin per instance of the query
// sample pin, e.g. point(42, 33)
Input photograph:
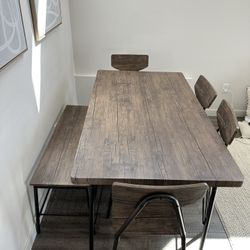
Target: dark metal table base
point(91, 193)
point(209, 212)
point(39, 211)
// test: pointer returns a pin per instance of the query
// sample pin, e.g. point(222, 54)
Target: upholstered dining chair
point(204, 92)
point(227, 127)
point(152, 209)
point(227, 122)
point(128, 62)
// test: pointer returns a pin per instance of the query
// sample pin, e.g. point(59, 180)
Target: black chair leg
point(203, 211)
point(116, 240)
point(183, 243)
point(176, 243)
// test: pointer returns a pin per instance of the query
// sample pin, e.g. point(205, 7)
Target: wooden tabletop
point(149, 128)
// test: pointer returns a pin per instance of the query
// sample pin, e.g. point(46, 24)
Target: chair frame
point(92, 196)
point(208, 210)
point(142, 204)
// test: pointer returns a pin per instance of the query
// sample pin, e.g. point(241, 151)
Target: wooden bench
point(54, 167)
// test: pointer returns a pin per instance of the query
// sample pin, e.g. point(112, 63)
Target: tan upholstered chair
point(129, 62)
point(152, 209)
point(204, 92)
point(227, 122)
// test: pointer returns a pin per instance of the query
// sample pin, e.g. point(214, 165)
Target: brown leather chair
point(204, 92)
point(227, 122)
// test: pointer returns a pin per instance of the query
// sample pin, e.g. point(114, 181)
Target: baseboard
point(29, 243)
point(30, 240)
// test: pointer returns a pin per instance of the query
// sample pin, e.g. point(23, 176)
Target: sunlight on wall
point(36, 53)
point(36, 73)
point(42, 8)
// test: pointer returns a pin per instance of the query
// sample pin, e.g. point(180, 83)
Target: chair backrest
point(159, 217)
point(129, 62)
point(204, 92)
point(227, 122)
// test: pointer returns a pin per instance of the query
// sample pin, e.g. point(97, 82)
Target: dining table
point(149, 128)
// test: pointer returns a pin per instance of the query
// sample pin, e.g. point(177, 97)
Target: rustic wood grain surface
point(54, 168)
point(149, 128)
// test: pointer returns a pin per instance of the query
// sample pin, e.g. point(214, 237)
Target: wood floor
point(71, 233)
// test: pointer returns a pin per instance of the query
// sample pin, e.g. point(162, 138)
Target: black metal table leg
point(37, 210)
point(98, 204)
point(91, 216)
point(208, 216)
point(109, 207)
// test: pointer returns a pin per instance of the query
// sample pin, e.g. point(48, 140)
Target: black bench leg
point(37, 210)
point(87, 195)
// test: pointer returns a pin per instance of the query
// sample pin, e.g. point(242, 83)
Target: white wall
point(33, 89)
point(195, 37)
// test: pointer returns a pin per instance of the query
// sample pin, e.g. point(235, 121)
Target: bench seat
point(54, 168)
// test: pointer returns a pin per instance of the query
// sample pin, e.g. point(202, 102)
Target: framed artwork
point(46, 16)
point(12, 36)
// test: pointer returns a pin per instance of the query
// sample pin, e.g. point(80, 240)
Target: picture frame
point(46, 16)
point(12, 34)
